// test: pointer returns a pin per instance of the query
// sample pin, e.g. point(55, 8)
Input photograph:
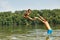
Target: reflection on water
point(27, 33)
point(47, 38)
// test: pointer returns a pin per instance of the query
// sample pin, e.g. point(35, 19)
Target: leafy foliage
point(16, 18)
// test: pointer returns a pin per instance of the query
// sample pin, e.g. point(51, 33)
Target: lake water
point(27, 33)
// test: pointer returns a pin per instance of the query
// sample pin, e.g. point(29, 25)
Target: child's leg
point(38, 18)
point(41, 17)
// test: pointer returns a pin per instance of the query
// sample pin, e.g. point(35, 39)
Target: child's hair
point(29, 10)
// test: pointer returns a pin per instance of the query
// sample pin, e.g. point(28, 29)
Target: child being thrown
point(27, 13)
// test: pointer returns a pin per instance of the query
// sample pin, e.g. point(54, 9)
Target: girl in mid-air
point(27, 13)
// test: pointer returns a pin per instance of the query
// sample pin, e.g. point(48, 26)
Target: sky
point(13, 5)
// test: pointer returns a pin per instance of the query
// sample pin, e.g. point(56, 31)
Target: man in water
point(46, 23)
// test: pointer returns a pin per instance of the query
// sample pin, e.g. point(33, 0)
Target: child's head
point(29, 10)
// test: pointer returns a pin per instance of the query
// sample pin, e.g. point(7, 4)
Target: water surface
point(27, 33)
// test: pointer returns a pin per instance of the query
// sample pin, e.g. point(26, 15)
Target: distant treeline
point(16, 18)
